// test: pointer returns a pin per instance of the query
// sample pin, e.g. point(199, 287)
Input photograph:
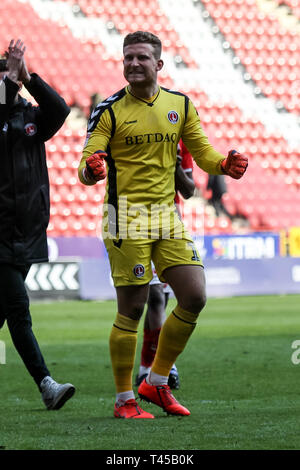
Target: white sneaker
point(173, 380)
point(55, 395)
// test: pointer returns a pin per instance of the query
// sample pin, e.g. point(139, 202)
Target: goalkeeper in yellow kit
point(132, 137)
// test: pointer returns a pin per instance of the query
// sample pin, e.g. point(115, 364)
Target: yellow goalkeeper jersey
point(140, 137)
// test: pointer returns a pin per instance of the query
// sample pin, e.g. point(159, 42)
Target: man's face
point(140, 65)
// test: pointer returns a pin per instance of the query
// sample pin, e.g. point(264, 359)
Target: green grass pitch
point(237, 379)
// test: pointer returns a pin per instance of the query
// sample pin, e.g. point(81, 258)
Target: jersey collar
point(150, 101)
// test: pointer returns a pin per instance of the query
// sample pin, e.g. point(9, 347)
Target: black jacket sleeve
point(8, 92)
point(52, 110)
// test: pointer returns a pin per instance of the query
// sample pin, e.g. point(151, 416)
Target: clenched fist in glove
point(235, 164)
point(95, 166)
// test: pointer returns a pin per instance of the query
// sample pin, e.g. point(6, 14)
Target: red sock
point(150, 342)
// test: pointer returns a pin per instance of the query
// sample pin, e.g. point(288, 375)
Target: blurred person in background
point(25, 206)
point(218, 187)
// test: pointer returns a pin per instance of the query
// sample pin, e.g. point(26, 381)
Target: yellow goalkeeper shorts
point(130, 259)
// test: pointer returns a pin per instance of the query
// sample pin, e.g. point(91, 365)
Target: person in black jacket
point(25, 206)
point(218, 186)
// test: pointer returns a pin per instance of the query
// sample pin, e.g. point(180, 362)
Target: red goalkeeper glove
point(95, 166)
point(235, 164)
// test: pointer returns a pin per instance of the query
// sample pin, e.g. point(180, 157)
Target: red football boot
point(131, 409)
point(161, 395)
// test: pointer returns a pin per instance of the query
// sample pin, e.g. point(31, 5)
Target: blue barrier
point(234, 265)
point(224, 277)
point(253, 277)
point(251, 246)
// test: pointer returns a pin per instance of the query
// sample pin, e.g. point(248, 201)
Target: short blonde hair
point(146, 38)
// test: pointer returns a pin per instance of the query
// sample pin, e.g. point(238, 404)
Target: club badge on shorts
point(30, 129)
point(173, 117)
point(139, 270)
